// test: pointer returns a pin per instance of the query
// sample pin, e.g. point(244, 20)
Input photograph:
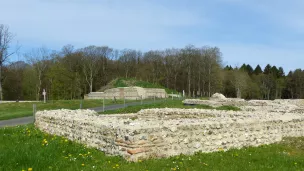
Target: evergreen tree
point(267, 69)
point(258, 70)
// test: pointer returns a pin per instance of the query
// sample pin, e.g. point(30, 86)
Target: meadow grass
point(18, 109)
point(167, 104)
point(27, 148)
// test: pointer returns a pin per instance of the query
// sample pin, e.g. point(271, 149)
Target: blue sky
point(246, 31)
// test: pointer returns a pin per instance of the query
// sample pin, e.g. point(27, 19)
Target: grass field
point(26, 148)
point(16, 110)
point(167, 104)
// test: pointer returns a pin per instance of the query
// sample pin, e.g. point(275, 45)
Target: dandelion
point(139, 161)
point(221, 149)
point(66, 140)
point(30, 169)
point(117, 165)
point(82, 164)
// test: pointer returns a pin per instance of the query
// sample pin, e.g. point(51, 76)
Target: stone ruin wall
point(156, 133)
point(131, 93)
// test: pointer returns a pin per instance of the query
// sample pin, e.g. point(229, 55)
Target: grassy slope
point(166, 104)
point(26, 147)
point(16, 110)
point(123, 82)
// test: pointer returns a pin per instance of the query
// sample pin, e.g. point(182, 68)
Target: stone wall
point(132, 93)
point(156, 133)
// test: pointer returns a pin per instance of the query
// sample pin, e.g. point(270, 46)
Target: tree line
point(71, 73)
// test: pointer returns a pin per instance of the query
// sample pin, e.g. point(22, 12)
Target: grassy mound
point(123, 82)
point(27, 148)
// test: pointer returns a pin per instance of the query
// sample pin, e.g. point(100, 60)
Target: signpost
point(44, 95)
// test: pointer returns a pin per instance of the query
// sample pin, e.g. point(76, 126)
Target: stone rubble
point(157, 133)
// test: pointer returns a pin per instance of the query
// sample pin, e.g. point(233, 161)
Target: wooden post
point(103, 104)
point(124, 101)
point(34, 111)
point(141, 100)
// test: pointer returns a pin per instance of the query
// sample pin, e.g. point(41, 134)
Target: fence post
point(103, 104)
point(124, 101)
point(141, 100)
point(34, 111)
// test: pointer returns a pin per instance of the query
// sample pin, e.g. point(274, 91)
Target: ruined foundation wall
point(131, 93)
point(167, 132)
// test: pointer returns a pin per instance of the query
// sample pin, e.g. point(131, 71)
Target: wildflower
point(220, 149)
point(82, 164)
point(89, 152)
point(30, 169)
point(139, 161)
point(66, 140)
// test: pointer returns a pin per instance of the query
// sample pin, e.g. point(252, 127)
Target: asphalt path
point(30, 119)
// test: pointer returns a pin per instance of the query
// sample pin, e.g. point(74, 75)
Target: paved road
point(30, 119)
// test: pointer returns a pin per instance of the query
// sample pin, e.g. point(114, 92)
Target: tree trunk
point(189, 82)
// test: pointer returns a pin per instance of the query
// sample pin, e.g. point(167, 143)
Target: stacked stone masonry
point(132, 93)
point(157, 133)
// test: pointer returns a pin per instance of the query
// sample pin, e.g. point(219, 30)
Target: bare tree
point(39, 59)
point(91, 57)
point(6, 38)
point(128, 59)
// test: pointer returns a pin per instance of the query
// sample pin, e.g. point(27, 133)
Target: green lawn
point(26, 147)
point(167, 104)
point(16, 110)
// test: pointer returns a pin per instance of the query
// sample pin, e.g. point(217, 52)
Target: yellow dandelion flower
point(117, 165)
point(65, 140)
point(82, 164)
point(29, 169)
point(89, 152)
